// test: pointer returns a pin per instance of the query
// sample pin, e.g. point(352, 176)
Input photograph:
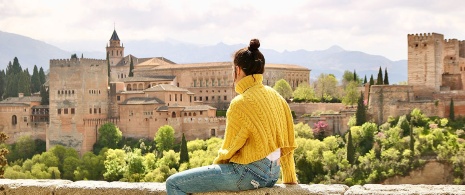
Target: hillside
point(29, 51)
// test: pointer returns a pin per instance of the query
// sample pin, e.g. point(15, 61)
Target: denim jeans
point(224, 177)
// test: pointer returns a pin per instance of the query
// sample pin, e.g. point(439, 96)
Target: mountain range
point(334, 60)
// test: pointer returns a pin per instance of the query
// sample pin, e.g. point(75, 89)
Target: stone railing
point(61, 187)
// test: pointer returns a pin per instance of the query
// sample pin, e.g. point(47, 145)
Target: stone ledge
point(61, 187)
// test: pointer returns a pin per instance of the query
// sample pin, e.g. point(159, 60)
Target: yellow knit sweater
point(258, 122)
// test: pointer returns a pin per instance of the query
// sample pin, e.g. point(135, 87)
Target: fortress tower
point(425, 54)
point(78, 92)
point(115, 50)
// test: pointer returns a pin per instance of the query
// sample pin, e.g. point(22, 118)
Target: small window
point(14, 120)
point(25, 119)
point(58, 92)
point(59, 111)
point(100, 110)
point(201, 112)
point(118, 98)
point(206, 98)
point(225, 97)
point(90, 110)
point(72, 111)
point(95, 110)
point(212, 132)
point(65, 111)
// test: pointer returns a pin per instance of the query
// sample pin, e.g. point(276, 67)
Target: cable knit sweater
point(258, 122)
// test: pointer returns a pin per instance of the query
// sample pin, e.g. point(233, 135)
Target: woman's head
point(250, 59)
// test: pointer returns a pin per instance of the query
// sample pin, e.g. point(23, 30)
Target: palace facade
point(85, 94)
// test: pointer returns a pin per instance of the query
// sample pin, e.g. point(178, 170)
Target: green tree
point(326, 84)
point(351, 95)
point(42, 76)
point(365, 80)
point(2, 83)
point(135, 166)
point(73, 56)
point(303, 131)
point(386, 80)
point(372, 81)
point(164, 138)
point(347, 77)
point(304, 92)
point(44, 95)
point(131, 68)
point(109, 136)
point(350, 149)
point(115, 165)
point(451, 110)
point(283, 88)
point(25, 83)
point(35, 80)
point(24, 148)
point(183, 153)
point(379, 80)
point(360, 115)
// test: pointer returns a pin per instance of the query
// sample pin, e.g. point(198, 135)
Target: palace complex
point(84, 94)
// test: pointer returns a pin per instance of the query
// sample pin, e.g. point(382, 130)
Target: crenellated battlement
point(76, 62)
point(421, 36)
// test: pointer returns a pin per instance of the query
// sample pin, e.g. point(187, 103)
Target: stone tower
point(115, 50)
point(78, 92)
point(425, 67)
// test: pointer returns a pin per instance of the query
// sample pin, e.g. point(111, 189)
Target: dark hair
point(250, 59)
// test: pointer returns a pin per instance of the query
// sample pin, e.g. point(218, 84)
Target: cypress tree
point(360, 114)
point(451, 110)
point(355, 76)
point(73, 56)
point(386, 80)
point(2, 83)
point(350, 149)
point(365, 80)
point(131, 68)
point(372, 81)
point(183, 153)
point(24, 85)
point(44, 95)
point(42, 76)
point(379, 81)
point(35, 80)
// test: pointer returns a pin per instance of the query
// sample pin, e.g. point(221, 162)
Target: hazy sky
point(374, 27)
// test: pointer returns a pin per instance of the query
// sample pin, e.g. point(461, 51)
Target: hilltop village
point(87, 93)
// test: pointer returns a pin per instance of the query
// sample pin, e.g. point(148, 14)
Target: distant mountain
point(334, 60)
point(29, 51)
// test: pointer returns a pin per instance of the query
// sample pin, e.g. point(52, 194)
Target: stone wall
point(62, 187)
point(432, 173)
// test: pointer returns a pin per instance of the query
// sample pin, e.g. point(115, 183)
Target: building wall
point(78, 90)
point(16, 122)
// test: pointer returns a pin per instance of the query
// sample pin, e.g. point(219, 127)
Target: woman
point(259, 137)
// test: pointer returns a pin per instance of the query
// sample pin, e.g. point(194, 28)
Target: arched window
point(173, 115)
point(14, 120)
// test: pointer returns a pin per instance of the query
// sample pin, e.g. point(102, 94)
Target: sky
point(371, 26)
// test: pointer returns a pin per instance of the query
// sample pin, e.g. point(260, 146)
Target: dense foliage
point(15, 80)
point(369, 154)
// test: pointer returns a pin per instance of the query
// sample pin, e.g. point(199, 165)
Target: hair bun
point(254, 45)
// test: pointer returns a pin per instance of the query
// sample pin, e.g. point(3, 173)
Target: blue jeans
point(224, 177)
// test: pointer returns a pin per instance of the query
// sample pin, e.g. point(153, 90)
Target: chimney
point(20, 95)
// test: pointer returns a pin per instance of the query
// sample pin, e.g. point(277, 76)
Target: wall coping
point(61, 187)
